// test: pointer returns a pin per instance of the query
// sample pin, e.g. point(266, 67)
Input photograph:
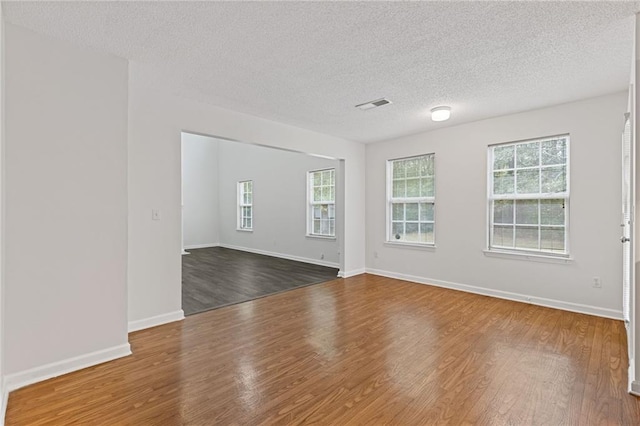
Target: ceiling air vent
point(373, 104)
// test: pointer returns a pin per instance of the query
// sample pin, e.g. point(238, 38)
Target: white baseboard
point(283, 256)
point(351, 273)
point(156, 320)
point(21, 379)
point(540, 301)
point(199, 246)
point(635, 388)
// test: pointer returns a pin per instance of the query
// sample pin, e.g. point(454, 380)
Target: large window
point(411, 200)
point(245, 205)
point(529, 196)
point(322, 205)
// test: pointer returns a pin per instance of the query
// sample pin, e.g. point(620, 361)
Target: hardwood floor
point(365, 350)
point(217, 276)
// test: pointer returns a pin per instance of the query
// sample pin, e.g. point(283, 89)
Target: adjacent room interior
point(445, 190)
point(256, 221)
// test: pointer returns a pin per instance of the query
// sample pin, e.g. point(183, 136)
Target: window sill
point(533, 257)
point(320, 237)
point(428, 247)
point(244, 230)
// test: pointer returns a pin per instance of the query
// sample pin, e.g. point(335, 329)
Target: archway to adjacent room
point(256, 220)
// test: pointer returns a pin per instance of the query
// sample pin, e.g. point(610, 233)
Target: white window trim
point(528, 254)
point(241, 204)
point(408, 244)
point(310, 203)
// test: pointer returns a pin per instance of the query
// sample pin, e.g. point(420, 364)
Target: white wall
point(156, 119)
point(279, 202)
point(66, 206)
point(595, 126)
point(200, 191)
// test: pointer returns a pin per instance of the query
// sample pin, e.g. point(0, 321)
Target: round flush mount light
point(441, 113)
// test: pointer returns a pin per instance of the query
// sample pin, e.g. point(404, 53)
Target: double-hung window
point(529, 196)
point(411, 200)
point(322, 205)
point(245, 205)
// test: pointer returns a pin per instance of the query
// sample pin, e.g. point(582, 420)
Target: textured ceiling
point(309, 63)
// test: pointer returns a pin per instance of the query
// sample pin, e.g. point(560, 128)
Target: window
point(322, 205)
point(411, 200)
point(245, 205)
point(529, 196)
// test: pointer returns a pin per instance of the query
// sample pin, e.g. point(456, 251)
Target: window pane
point(248, 223)
point(316, 212)
point(552, 212)
point(503, 182)
point(528, 181)
point(426, 232)
point(552, 239)
point(526, 237)
point(527, 212)
point(554, 179)
point(413, 187)
point(411, 210)
point(332, 211)
point(332, 177)
point(326, 193)
point(247, 211)
point(317, 194)
point(332, 193)
point(426, 211)
point(332, 227)
point(503, 157)
point(397, 230)
point(316, 226)
point(528, 154)
point(503, 211)
point(413, 167)
point(398, 169)
point(324, 226)
point(554, 152)
point(326, 177)
point(398, 188)
point(426, 166)
point(412, 232)
point(397, 212)
point(426, 187)
point(502, 236)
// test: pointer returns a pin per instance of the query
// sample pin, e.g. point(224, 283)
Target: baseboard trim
point(156, 320)
point(352, 273)
point(199, 246)
point(635, 388)
point(283, 256)
point(38, 374)
point(517, 297)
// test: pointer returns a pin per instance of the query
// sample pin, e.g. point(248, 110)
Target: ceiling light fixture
point(441, 113)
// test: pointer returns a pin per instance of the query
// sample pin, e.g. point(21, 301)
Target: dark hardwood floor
point(217, 276)
point(365, 351)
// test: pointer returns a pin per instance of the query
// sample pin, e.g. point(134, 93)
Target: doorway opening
point(256, 221)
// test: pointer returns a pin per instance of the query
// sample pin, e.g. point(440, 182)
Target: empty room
point(411, 213)
point(256, 221)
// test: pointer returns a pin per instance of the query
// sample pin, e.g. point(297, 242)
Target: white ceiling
point(309, 63)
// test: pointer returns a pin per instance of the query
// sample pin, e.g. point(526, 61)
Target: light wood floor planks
point(365, 350)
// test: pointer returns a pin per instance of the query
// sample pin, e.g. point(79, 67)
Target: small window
point(529, 196)
point(411, 200)
point(245, 205)
point(322, 205)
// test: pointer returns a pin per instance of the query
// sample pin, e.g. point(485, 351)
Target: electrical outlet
point(155, 214)
point(597, 283)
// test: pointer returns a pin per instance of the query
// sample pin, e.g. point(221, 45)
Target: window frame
point(390, 202)
point(241, 204)
point(566, 196)
point(311, 203)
